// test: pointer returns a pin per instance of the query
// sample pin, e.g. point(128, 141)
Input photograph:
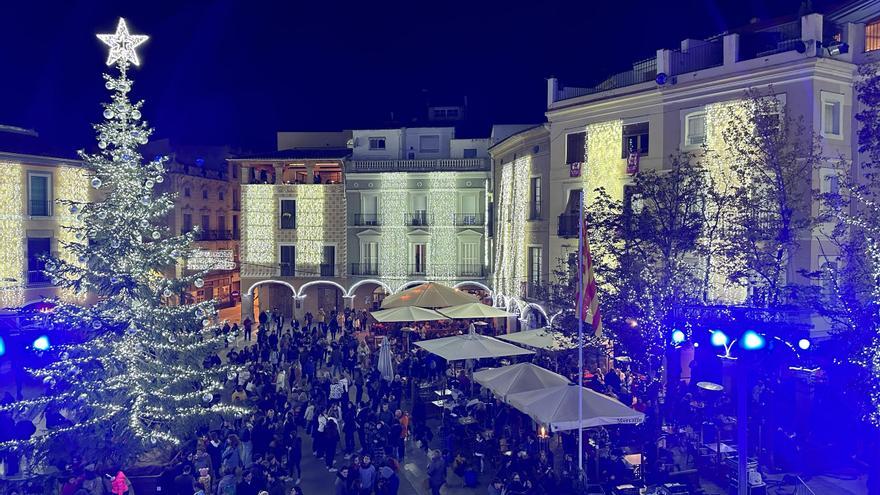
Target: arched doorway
point(534, 316)
point(321, 294)
point(270, 295)
point(368, 294)
point(478, 290)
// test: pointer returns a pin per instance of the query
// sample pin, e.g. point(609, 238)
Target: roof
point(300, 154)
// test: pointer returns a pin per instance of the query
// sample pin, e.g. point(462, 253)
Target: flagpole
point(580, 320)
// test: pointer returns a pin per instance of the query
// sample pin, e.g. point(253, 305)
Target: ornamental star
point(122, 45)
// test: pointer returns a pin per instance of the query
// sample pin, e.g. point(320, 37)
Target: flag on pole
point(588, 291)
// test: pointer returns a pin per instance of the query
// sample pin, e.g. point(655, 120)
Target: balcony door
point(369, 209)
point(328, 261)
point(468, 209)
point(469, 254)
point(39, 194)
point(38, 248)
point(288, 261)
point(418, 258)
point(420, 209)
point(370, 258)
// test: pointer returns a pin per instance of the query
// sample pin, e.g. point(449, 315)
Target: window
point(288, 260)
point(206, 223)
point(288, 214)
point(221, 222)
point(236, 203)
point(872, 35)
point(38, 248)
point(470, 260)
point(832, 115)
point(829, 267)
point(419, 209)
point(575, 147)
point(535, 254)
point(39, 194)
point(234, 171)
point(186, 192)
point(635, 139)
point(328, 261)
point(452, 113)
point(377, 143)
point(221, 195)
point(829, 183)
point(469, 153)
point(429, 144)
point(535, 199)
point(419, 254)
point(204, 194)
point(187, 223)
point(235, 226)
point(694, 129)
point(370, 258)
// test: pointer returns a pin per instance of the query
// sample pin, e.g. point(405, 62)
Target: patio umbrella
point(541, 338)
point(557, 407)
point(470, 346)
point(428, 295)
point(516, 378)
point(386, 364)
point(473, 310)
point(407, 313)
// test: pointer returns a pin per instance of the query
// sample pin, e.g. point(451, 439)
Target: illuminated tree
point(138, 382)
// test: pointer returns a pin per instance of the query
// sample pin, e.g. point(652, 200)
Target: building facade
point(676, 101)
point(32, 222)
point(207, 197)
point(329, 227)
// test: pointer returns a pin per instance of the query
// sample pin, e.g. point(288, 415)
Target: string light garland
point(393, 244)
point(140, 373)
point(12, 231)
point(442, 195)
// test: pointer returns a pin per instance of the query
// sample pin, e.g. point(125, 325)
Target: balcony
point(568, 225)
point(535, 291)
point(215, 235)
point(473, 270)
point(698, 57)
point(419, 219)
point(417, 269)
point(40, 208)
point(438, 164)
point(641, 72)
point(364, 269)
point(37, 278)
point(367, 219)
point(466, 219)
point(461, 270)
point(328, 270)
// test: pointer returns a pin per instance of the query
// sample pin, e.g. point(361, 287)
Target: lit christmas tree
point(139, 382)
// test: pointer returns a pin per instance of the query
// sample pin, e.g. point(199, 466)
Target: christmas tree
point(138, 381)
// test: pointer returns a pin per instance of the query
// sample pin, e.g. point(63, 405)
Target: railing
point(778, 39)
point(801, 488)
point(215, 235)
point(456, 164)
point(568, 225)
point(328, 270)
point(288, 269)
point(37, 277)
point(535, 290)
point(360, 269)
point(468, 219)
point(40, 208)
point(362, 219)
point(471, 270)
point(696, 58)
point(418, 219)
point(417, 269)
point(642, 71)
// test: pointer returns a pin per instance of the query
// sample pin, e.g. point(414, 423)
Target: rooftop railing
point(699, 57)
point(642, 71)
point(453, 164)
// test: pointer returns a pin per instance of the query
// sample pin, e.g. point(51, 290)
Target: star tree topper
point(122, 45)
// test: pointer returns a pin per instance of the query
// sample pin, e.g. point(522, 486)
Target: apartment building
point(32, 181)
point(207, 196)
point(600, 136)
point(417, 210)
point(342, 220)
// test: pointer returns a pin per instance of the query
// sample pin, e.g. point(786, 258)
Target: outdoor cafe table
point(722, 448)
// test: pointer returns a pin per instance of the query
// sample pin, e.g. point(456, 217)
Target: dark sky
point(236, 71)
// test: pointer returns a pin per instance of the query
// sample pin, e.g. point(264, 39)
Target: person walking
point(436, 472)
point(367, 474)
point(331, 440)
point(248, 325)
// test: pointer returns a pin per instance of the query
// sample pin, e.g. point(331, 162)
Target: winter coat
point(120, 484)
point(437, 472)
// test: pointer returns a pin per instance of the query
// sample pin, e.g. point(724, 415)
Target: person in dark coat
point(436, 472)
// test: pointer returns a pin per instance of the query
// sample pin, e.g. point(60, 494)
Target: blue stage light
point(2, 347)
point(751, 341)
point(41, 343)
point(804, 344)
point(677, 336)
point(719, 339)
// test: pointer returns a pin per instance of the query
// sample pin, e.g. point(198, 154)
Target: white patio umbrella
point(474, 310)
point(386, 364)
point(407, 313)
point(541, 338)
point(557, 407)
point(428, 295)
point(470, 346)
point(517, 378)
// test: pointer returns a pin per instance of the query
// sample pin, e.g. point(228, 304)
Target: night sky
point(229, 72)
